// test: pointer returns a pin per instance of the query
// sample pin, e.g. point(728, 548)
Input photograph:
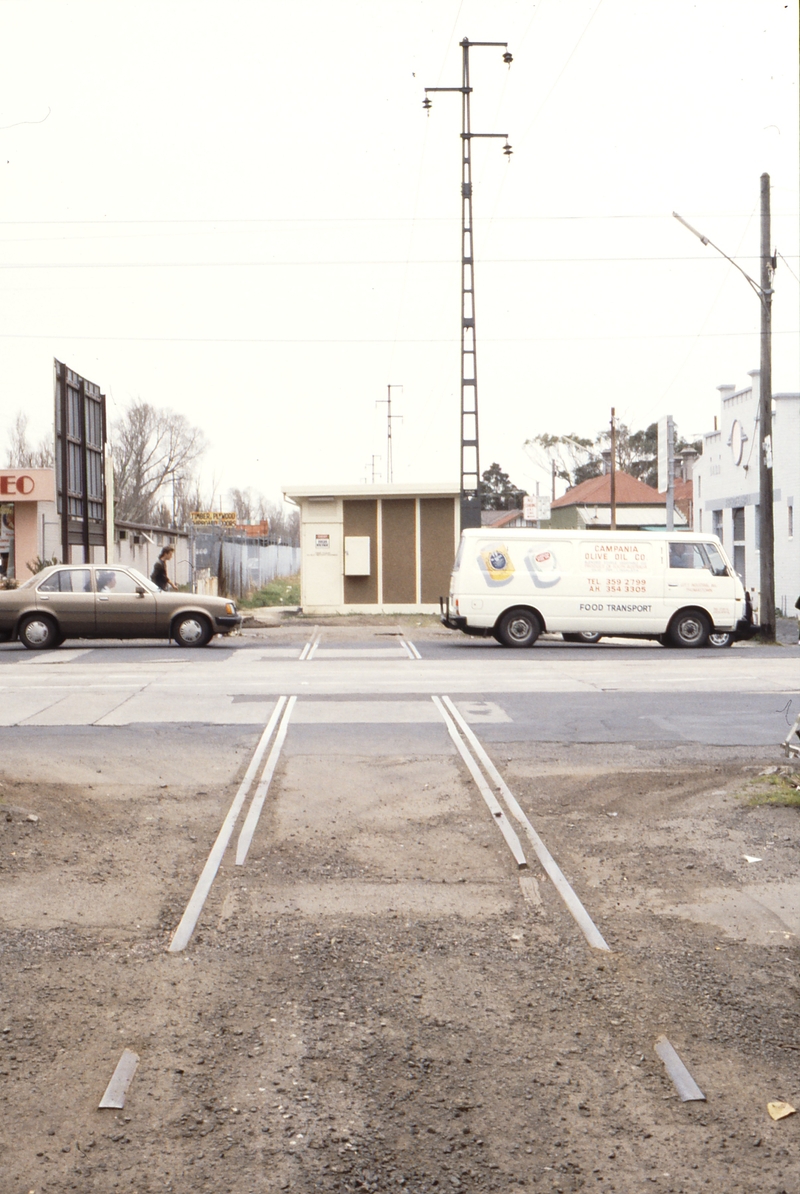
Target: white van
point(675, 587)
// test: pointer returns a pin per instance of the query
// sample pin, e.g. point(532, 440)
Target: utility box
point(376, 548)
point(356, 555)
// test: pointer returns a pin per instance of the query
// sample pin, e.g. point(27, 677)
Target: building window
point(757, 529)
point(716, 523)
point(738, 524)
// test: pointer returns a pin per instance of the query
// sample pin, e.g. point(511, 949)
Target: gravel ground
point(379, 1000)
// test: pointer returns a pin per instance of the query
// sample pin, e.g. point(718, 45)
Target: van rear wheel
point(518, 628)
point(689, 629)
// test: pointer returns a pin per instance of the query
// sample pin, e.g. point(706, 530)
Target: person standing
point(797, 607)
point(159, 575)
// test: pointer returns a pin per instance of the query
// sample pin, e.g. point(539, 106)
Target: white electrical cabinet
point(356, 555)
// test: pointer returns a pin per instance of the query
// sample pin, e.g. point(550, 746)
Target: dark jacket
point(159, 575)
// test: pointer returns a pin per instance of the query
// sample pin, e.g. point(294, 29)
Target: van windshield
point(715, 560)
point(459, 554)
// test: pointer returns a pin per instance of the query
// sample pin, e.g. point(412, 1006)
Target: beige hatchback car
point(108, 601)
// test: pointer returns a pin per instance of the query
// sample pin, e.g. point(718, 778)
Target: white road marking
point(682, 1080)
point(582, 917)
point(487, 712)
point(305, 651)
point(313, 650)
point(361, 653)
point(183, 933)
point(499, 817)
point(412, 649)
point(311, 712)
point(121, 1079)
point(60, 657)
point(254, 812)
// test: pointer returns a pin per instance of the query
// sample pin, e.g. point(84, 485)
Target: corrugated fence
point(244, 567)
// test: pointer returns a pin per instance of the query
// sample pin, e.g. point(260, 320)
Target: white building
point(726, 486)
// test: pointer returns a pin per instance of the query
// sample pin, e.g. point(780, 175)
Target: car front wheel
point(518, 628)
point(191, 630)
point(690, 629)
point(582, 636)
point(38, 633)
point(722, 639)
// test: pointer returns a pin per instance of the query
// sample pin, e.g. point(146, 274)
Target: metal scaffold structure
point(470, 454)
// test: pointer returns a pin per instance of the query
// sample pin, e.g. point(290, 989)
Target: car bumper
point(227, 622)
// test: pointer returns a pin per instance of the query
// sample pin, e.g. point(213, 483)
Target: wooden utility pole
point(613, 469)
point(765, 512)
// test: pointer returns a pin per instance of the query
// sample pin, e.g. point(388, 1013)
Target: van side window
point(686, 555)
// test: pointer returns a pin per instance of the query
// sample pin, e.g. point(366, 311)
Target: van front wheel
point(689, 629)
point(518, 628)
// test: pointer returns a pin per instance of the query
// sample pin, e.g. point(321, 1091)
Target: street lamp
point(765, 513)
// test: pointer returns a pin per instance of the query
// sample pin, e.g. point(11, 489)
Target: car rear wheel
point(192, 630)
point(722, 639)
point(582, 636)
point(38, 633)
point(689, 629)
point(518, 628)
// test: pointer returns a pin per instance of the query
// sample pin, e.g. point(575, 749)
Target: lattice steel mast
point(470, 455)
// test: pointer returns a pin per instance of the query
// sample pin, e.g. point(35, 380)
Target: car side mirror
point(140, 590)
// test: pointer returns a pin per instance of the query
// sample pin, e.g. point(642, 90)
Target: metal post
point(670, 473)
point(613, 469)
point(766, 521)
point(389, 417)
point(470, 454)
point(766, 514)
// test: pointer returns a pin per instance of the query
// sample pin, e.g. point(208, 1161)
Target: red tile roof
point(597, 492)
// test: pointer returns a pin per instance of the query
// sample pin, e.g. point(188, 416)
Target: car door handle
point(102, 596)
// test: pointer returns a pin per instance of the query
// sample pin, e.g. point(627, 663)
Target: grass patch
point(283, 591)
point(774, 789)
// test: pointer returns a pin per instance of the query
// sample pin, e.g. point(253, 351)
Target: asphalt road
point(608, 693)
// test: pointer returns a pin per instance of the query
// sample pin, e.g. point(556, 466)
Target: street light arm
point(762, 295)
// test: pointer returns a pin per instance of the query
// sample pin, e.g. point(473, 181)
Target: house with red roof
point(587, 506)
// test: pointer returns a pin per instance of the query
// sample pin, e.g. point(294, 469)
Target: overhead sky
point(241, 211)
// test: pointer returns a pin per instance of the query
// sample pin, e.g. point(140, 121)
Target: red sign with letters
point(22, 484)
point(27, 485)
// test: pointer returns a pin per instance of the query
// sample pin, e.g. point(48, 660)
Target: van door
point(698, 575)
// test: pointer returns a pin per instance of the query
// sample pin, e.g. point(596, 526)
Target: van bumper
point(745, 630)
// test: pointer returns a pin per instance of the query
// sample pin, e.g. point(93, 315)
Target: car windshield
point(143, 581)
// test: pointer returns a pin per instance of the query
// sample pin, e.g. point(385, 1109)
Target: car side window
point(113, 580)
point(68, 580)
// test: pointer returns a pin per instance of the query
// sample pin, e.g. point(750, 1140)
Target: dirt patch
point(374, 1003)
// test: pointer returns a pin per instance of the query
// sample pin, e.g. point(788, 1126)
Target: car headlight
point(230, 608)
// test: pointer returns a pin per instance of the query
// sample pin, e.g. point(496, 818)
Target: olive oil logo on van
point(496, 563)
point(543, 566)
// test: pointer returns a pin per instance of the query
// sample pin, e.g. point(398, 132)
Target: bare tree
point(21, 454)
point(152, 449)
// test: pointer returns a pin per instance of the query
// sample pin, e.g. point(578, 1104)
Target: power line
point(378, 340)
point(32, 265)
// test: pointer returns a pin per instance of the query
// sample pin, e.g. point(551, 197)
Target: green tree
point(498, 491)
